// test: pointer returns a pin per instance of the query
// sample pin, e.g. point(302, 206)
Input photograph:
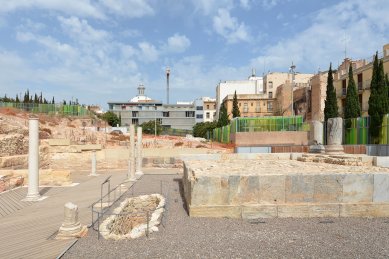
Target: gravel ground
point(185, 237)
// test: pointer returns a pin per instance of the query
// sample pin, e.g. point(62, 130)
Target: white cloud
point(268, 4)
point(79, 29)
point(245, 4)
point(177, 43)
point(322, 42)
point(128, 8)
point(209, 7)
point(83, 8)
point(229, 27)
point(148, 52)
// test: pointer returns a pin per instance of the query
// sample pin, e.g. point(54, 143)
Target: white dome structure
point(141, 97)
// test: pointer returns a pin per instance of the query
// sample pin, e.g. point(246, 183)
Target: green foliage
point(235, 107)
point(223, 116)
point(378, 101)
point(331, 105)
point(149, 127)
point(111, 118)
point(201, 129)
point(352, 108)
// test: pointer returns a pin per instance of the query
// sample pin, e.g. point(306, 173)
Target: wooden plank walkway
point(28, 228)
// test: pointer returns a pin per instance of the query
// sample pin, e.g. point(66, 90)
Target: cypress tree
point(235, 107)
point(52, 101)
point(352, 108)
point(223, 116)
point(330, 104)
point(378, 101)
point(17, 99)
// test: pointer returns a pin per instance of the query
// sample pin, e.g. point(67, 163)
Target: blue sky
point(100, 50)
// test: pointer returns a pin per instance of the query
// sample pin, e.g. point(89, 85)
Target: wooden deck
point(27, 228)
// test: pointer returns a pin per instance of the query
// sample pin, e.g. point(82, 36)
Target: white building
point(253, 85)
point(205, 109)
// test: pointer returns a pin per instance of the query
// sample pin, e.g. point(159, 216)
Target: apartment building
point(250, 105)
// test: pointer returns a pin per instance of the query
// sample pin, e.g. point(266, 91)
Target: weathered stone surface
point(334, 131)
point(216, 211)
point(272, 189)
point(59, 142)
point(259, 211)
point(357, 188)
point(71, 226)
point(364, 210)
point(299, 188)
point(381, 188)
point(316, 133)
point(382, 161)
point(328, 188)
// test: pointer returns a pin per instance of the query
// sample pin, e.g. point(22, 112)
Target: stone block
point(272, 189)
point(259, 211)
point(295, 156)
point(381, 188)
point(299, 188)
point(364, 210)
point(216, 211)
point(381, 161)
point(89, 147)
point(59, 142)
point(324, 210)
point(293, 211)
point(357, 188)
point(207, 191)
point(328, 188)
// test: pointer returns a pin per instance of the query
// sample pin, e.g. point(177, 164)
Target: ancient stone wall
point(280, 188)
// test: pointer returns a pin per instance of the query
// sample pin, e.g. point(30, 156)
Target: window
point(165, 114)
point(240, 104)
point(360, 81)
point(189, 114)
point(270, 84)
point(134, 114)
point(245, 107)
point(159, 120)
point(123, 107)
point(199, 108)
point(344, 91)
point(199, 116)
point(134, 121)
point(270, 95)
point(214, 114)
point(207, 106)
point(269, 106)
point(252, 104)
point(214, 106)
point(207, 115)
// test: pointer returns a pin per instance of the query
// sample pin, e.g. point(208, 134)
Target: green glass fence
point(275, 123)
point(54, 109)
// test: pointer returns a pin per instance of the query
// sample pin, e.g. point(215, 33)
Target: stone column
point(139, 158)
point(316, 137)
point(131, 176)
point(334, 136)
point(33, 160)
point(94, 164)
point(71, 226)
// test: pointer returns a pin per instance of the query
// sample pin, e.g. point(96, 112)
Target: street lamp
point(291, 69)
point(167, 84)
point(155, 121)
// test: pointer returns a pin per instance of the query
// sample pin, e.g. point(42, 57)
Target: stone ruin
point(135, 217)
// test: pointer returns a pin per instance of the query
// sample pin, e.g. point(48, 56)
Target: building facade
point(253, 85)
point(205, 109)
point(142, 109)
point(362, 73)
point(250, 105)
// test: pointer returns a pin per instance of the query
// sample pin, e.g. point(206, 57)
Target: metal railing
point(55, 109)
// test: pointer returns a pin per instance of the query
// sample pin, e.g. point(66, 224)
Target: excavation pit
point(134, 217)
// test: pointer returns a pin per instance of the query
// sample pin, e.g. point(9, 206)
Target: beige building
point(318, 95)
point(362, 71)
point(250, 105)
